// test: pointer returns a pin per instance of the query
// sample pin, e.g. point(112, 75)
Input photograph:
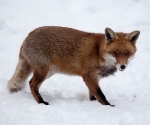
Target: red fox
point(93, 56)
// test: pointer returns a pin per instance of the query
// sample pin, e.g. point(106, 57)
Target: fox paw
point(46, 103)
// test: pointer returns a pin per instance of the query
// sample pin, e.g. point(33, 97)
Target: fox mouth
point(121, 69)
point(118, 68)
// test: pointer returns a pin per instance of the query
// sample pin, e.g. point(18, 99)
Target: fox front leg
point(95, 91)
point(91, 96)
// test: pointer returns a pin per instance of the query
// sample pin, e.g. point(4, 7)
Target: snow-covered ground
point(129, 91)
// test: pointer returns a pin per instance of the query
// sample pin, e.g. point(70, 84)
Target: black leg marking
point(46, 103)
point(42, 101)
point(100, 93)
point(92, 98)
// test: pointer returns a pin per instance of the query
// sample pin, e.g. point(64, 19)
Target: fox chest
point(105, 71)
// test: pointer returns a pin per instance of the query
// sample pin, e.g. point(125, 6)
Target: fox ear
point(110, 35)
point(133, 36)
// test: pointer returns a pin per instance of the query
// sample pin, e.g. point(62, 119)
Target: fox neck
point(107, 67)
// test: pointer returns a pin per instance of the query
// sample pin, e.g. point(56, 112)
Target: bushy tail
point(19, 77)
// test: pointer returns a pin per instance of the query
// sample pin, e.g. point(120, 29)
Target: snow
point(129, 90)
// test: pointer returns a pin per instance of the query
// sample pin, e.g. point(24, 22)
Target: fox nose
point(122, 67)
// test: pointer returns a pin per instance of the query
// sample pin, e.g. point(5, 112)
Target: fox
point(49, 50)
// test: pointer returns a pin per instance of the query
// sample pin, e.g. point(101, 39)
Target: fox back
point(68, 50)
point(49, 50)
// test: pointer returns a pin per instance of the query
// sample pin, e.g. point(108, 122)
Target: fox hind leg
point(35, 83)
point(18, 79)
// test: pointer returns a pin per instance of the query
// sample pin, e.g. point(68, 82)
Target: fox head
point(120, 47)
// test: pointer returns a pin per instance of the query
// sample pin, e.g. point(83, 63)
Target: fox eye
point(127, 53)
point(115, 53)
